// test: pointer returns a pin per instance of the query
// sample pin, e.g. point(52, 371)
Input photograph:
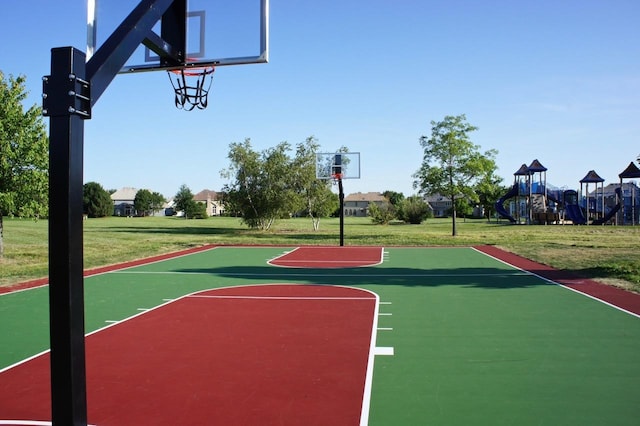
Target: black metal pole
point(341, 195)
point(63, 99)
point(67, 100)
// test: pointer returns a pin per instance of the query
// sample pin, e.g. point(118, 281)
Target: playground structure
point(532, 201)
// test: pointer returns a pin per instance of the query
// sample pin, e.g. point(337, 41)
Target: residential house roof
point(365, 196)
point(206, 194)
point(124, 194)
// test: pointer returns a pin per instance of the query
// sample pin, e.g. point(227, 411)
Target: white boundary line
point(28, 423)
point(560, 284)
point(23, 290)
point(283, 297)
point(368, 382)
point(284, 253)
point(116, 270)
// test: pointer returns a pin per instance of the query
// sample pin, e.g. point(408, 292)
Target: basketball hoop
point(189, 86)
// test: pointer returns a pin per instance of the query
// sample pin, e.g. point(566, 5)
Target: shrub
point(381, 214)
point(414, 210)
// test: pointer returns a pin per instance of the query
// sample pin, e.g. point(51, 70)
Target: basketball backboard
point(330, 164)
point(219, 32)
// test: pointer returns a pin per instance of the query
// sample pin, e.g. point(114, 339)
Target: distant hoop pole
point(341, 196)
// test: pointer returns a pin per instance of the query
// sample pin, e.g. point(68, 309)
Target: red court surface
point(617, 297)
point(268, 355)
point(330, 257)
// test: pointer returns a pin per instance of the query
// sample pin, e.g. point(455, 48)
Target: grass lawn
point(606, 253)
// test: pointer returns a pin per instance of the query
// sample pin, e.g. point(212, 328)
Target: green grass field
point(605, 253)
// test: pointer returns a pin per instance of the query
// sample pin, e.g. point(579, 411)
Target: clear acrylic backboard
point(219, 32)
point(331, 164)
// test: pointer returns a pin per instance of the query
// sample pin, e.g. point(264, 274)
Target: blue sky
point(557, 81)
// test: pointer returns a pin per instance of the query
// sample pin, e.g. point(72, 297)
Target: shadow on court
point(484, 278)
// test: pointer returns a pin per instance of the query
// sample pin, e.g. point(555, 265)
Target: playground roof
point(592, 176)
point(632, 171)
point(522, 171)
point(536, 166)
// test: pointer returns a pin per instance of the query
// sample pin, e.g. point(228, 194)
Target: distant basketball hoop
point(189, 86)
point(337, 166)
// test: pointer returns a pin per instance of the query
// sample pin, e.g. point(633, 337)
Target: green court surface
point(475, 341)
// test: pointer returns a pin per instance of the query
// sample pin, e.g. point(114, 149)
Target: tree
point(96, 201)
point(452, 164)
point(262, 189)
point(414, 210)
point(463, 207)
point(195, 210)
point(157, 201)
point(314, 195)
point(489, 191)
point(142, 202)
point(394, 197)
point(182, 199)
point(24, 158)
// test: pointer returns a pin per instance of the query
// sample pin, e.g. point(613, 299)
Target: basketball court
point(287, 335)
point(334, 335)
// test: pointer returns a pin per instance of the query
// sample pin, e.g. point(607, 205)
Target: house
point(357, 204)
point(168, 208)
point(440, 204)
point(212, 201)
point(123, 202)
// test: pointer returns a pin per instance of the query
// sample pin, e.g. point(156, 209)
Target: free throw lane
point(271, 354)
point(330, 257)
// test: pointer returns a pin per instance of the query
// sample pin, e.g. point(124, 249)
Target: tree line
point(278, 182)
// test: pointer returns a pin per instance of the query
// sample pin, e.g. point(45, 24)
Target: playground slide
point(574, 212)
point(608, 216)
point(499, 204)
point(611, 213)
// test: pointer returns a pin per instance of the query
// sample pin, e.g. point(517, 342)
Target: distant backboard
point(347, 164)
point(219, 32)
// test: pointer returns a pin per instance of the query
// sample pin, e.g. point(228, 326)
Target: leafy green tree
point(463, 207)
point(414, 210)
point(262, 189)
point(142, 202)
point(394, 197)
point(451, 163)
point(195, 210)
point(182, 199)
point(157, 201)
point(96, 201)
point(381, 214)
point(489, 191)
point(314, 196)
point(147, 202)
point(24, 159)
